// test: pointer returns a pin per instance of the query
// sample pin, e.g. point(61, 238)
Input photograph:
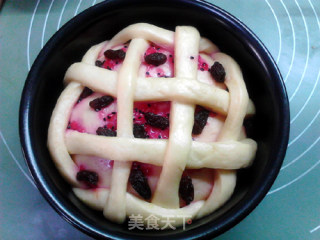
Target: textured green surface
point(291, 31)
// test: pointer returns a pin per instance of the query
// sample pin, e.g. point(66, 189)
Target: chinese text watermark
point(155, 223)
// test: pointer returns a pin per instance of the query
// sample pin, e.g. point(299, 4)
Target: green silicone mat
point(291, 31)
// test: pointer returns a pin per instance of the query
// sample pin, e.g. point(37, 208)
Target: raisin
point(99, 63)
point(157, 121)
point(86, 92)
point(186, 190)
point(155, 59)
point(139, 182)
point(139, 131)
point(217, 72)
point(106, 132)
point(102, 102)
point(115, 54)
point(90, 178)
point(200, 120)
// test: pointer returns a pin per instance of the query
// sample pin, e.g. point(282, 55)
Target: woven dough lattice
point(231, 151)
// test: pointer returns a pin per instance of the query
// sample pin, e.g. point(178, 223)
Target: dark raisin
point(99, 63)
point(200, 120)
point(109, 68)
point(191, 57)
point(90, 178)
point(106, 132)
point(139, 131)
point(186, 189)
point(217, 72)
point(115, 54)
point(139, 182)
point(157, 121)
point(155, 59)
point(102, 102)
point(86, 92)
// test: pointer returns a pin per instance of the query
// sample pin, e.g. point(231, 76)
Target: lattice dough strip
point(135, 206)
point(115, 208)
point(160, 36)
point(238, 98)
point(218, 155)
point(92, 54)
point(56, 133)
point(159, 89)
point(181, 121)
point(224, 184)
point(230, 131)
point(59, 121)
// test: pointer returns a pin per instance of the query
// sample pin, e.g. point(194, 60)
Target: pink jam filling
point(202, 65)
point(159, 108)
point(87, 120)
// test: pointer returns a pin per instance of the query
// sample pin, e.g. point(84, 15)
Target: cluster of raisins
point(137, 178)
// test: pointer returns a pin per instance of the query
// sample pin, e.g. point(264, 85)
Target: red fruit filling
point(202, 65)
